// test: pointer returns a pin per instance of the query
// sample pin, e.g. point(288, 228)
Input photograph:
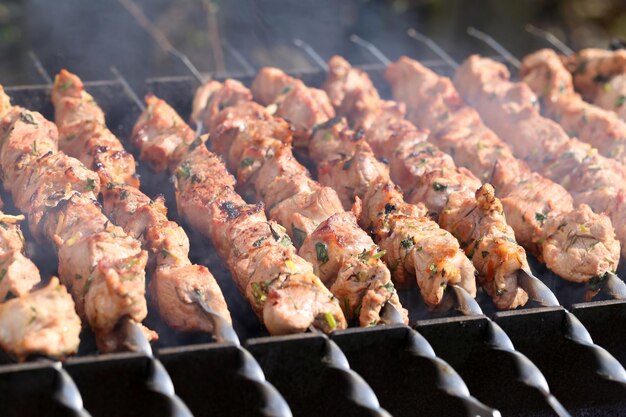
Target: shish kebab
point(572, 241)
point(173, 278)
point(102, 267)
point(600, 76)
point(36, 321)
point(391, 210)
point(257, 147)
point(510, 110)
point(346, 161)
point(280, 285)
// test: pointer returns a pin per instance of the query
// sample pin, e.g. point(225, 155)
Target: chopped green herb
point(389, 208)
point(379, 254)
point(91, 184)
point(246, 162)
point(284, 241)
point(286, 90)
point(540, 217)
point(258, 292)
point(298, 236)
point(439, 187)
point(258, 242)
point(28, 118)
point(322, 252)
point(33, 315)
point(198, 292)
point(66, 85)
point(408, 242)
point(484, 254)
point(347, 164)
point(87, 284)
point(595, 283)
point(330, 319)
point(165, 253)
point(124, 194)
point(619, 102)
point(500, 291)
point(433, 269)
point(184, 170)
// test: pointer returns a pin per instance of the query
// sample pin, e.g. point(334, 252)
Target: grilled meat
point(593, 68)
point(18, 273)
point(84, 135)
point(42, 322)
point(430, 176)
point(102, 267)
point(531, 202)
point(36, 321)
point(510, 110)
point(257, 147)
point(280, 285)
point(347, 164)
point(544, 72)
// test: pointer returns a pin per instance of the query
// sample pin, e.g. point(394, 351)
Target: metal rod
point(159, 37)
point(475, 33)
point(39, 67)
point(433, 46)
point(550, 37)
point(238, 57)
point(312, 53)
point(371, 48)
point(214, 34)
point(127, 88)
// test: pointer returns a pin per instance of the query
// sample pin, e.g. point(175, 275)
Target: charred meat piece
point(173, 278)
point(257, 147)
point(430, 176)
point(591, 178)
point(592, 68)
point(347, 163)
point(102, 267)
point(531, 202)
point(36, 321)
point(548, 78)
point(42, 322)
point(280, 285)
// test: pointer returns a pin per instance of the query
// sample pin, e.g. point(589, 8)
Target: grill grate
point(432, 367)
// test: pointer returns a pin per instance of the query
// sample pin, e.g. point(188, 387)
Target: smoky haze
point(88, 37)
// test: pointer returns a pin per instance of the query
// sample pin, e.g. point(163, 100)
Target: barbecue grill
point(548, 358)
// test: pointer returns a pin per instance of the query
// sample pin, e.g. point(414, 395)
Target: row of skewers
point(423, 191)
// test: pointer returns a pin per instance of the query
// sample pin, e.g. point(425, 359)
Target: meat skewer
point(37, 321)
point(257, 147)
point(535, 206)
point(599, 75)
point(175, 282)
point(280, 285)
point(102, 267)
point(357, 106)
point(434, 292)
point(591, 178)
point(546, 75)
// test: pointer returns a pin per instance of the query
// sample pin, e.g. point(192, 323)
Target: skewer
point(371, 48)
point(550, 37)
point(433, 46)
point(238, 57)
point(497, 339)
point(475, 33)
point(39, 67)
point(611, 283)
point(308, 49)
point(159, 37)
point(127, 88)
point(536, 289)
